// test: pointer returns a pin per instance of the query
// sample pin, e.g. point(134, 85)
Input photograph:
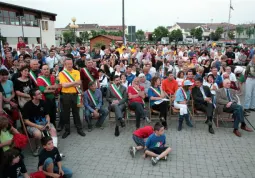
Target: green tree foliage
point(140, 35)
point(249, 31)
point(84, 36)
point(239, 30)
point(193, 32)
point(176, 35)
point(199, 34)
point(215, 36)
point(160, 32)
point(231, 35)
point(68, 36)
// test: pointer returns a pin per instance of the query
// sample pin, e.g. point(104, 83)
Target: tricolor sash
point(46, 80)
point(156, 91)
point(78, 90)
point(33, 76)
point(87, 73)
point(137, 93)
point(184, 94)
point(116, 91)
point(92, 97)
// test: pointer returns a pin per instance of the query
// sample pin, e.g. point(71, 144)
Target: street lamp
point(74, 26)
point(154, 37)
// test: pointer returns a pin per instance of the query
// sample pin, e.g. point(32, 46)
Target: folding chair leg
point(25, 130)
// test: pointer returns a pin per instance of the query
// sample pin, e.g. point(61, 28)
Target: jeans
point(249, 100)
point(103, 114)
point(67, 172)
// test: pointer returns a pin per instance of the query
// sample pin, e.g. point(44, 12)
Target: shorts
point(139, 141)
point(32, 130)
point(157, 150)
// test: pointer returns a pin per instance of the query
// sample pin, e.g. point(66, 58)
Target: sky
point(144, 14)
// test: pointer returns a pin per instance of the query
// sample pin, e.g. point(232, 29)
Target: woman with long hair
point(155, 93)
point(182, 97)
point(22, 86)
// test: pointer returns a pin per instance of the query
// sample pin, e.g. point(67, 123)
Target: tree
point(140, 35)
point(176, 35)
point(68, 36)
point(249, 31)
point(160, 32)
point(239, 30)
point(84, 36)
point(231, 35)
point(199, 33)
point(215, 36)
point(93, 33)
point(193, 33)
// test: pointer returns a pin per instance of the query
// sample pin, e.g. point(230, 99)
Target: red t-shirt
point(132, 91)
point(144, 132)
point(41, 83)
point(19, 45)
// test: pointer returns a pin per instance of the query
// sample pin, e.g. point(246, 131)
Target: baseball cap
point(187, 83)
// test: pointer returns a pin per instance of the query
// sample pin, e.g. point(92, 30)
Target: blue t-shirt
point(130, 78)
point(151, 93)
point(148, 77)
point(8, 88)
point(154, 141)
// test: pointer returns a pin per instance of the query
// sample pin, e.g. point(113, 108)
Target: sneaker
point(164, 158)
point(132, 151)
point(154, 161)
point(162, 119)
point(147, 120)
point(36, 152)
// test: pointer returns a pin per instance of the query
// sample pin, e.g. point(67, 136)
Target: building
point(36, 26)
point(105, 40)
point(206, 27)
point(113, 28)
point(81, 28)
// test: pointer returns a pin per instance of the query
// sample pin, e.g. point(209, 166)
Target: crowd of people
point(120, 78)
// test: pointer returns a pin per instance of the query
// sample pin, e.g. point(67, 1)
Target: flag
point(2, 50)
point(231, 7)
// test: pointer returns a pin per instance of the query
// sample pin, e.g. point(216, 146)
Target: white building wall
point(48, 36)
point(12, 32)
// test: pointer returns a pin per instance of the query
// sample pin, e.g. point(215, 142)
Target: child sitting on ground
point(138, 136)
point(155, 144)
point(14, 166)
point(50, 160)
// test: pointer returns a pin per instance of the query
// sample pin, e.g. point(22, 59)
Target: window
point(8, 18)
point(44, 25)
point(30, 20)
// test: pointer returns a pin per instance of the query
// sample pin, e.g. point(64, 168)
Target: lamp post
point(74, 26)
point(154, 37)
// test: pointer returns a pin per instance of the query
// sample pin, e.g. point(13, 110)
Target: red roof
point(115, 38)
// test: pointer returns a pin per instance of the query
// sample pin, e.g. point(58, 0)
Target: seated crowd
point(119, 79)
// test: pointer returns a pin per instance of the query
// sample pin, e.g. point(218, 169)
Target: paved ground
point(196, 154)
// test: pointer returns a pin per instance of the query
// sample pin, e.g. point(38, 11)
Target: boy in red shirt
point(138, 136)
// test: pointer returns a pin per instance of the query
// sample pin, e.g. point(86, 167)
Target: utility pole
point(123, 21)
point(229, 17)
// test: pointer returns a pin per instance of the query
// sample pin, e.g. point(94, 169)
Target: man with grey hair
point(34, 71)
point(227, 101)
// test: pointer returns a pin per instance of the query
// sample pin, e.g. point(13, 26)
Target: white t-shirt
point(51, 61)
